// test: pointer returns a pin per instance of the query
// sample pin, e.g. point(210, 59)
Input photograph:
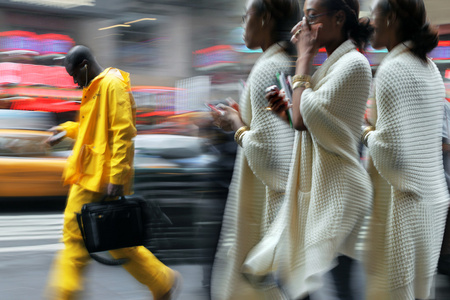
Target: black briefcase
point(115, 224)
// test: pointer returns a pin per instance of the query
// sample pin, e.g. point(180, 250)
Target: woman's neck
point(334, 45)
point(266, 45)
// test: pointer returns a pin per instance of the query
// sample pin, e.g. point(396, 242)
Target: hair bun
point(425, 40)
point(362, 33)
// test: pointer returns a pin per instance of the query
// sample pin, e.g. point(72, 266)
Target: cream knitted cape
point(258, 184)
point(329, 192)
point(408, 218)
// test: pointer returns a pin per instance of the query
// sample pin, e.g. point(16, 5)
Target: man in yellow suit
point(101, 163)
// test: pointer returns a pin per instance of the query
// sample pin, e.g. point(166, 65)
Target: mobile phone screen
point(214, 108)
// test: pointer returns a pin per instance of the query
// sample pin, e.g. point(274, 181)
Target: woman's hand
point(228, 118)
point(306, 38)
point(278, 103)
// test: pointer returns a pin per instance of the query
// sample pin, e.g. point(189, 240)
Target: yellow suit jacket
point(103, 152)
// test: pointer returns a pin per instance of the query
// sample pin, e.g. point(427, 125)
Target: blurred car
point(28, 167)
point(179, 172)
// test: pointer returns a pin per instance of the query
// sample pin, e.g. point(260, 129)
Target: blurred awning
point(68, 94)
point(159, 113)
point(43, 104)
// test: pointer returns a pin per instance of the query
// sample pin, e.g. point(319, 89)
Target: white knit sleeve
point(268, 143)
point(334, 109)
point(387, 144)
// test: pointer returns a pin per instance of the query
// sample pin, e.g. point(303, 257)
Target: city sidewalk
point(116, 284)
point(23, 275)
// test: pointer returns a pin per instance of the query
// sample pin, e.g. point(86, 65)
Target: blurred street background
point(181, 54)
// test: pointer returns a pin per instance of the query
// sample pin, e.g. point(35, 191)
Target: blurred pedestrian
point(444, 258)
point(263, 158)
point(405, 146)
point(329, 193)
point(101, 163)
point(222, 145)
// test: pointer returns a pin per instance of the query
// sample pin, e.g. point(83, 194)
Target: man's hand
point(114, 190)
point(58, 135)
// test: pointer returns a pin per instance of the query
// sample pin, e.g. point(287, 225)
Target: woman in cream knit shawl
point(262, 163)
point(328, 193)
point(405, 145)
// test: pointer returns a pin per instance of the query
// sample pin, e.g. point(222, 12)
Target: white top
point(408, 218)
point(446, 140)
point(328, 192)
point(258, 184)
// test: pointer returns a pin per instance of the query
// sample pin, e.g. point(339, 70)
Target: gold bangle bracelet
point(241, 138)
point(365, 134)
point(301, 84)
point(301, 78)
point(240, 133)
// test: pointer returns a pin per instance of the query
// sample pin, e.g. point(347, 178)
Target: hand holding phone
point(285, 85)
point(232, 103)
point(215, 108)
point(56, 138)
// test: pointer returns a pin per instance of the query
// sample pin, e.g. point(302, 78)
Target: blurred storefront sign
point(59, 3)
point(34, 75)
point(440, 53)
point(42, 44)
point(88, 7)
point(215, 57)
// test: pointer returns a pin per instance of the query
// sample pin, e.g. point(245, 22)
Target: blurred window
point(140, 46)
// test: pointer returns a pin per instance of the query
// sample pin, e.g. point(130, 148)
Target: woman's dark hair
point(285, 13)
point(413, 25)
point(359, 30)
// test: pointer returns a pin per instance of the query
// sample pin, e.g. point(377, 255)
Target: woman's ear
point(391, 19)
point(266, 18)
point(340, 17)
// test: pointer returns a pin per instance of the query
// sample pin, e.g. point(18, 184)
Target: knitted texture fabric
point(328, 193)
point(408, 218)
point(258, 184)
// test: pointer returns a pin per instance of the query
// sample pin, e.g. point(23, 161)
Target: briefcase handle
point(120, 198)
point(96, 257)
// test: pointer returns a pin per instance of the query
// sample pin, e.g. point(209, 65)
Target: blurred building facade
point(165, 43)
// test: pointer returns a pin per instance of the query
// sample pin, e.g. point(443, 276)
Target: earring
point(262, 23)
point(388, 23)
point(338, 22)
point(85, 67)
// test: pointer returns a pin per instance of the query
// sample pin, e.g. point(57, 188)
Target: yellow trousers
point(67, 272)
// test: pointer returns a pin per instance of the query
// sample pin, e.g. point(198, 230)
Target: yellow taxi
point(28, 166)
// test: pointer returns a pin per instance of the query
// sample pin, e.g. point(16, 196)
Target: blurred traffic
point(184, 173)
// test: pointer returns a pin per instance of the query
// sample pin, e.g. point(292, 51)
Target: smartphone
point(286, 86)
point(215, 108)
point(55, 138)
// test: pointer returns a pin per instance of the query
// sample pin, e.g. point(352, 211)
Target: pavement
point(24, 276)
point(28, 244)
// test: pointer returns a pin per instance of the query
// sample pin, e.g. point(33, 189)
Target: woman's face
point(253, 23)
point(315, 12)
point(379, 22)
